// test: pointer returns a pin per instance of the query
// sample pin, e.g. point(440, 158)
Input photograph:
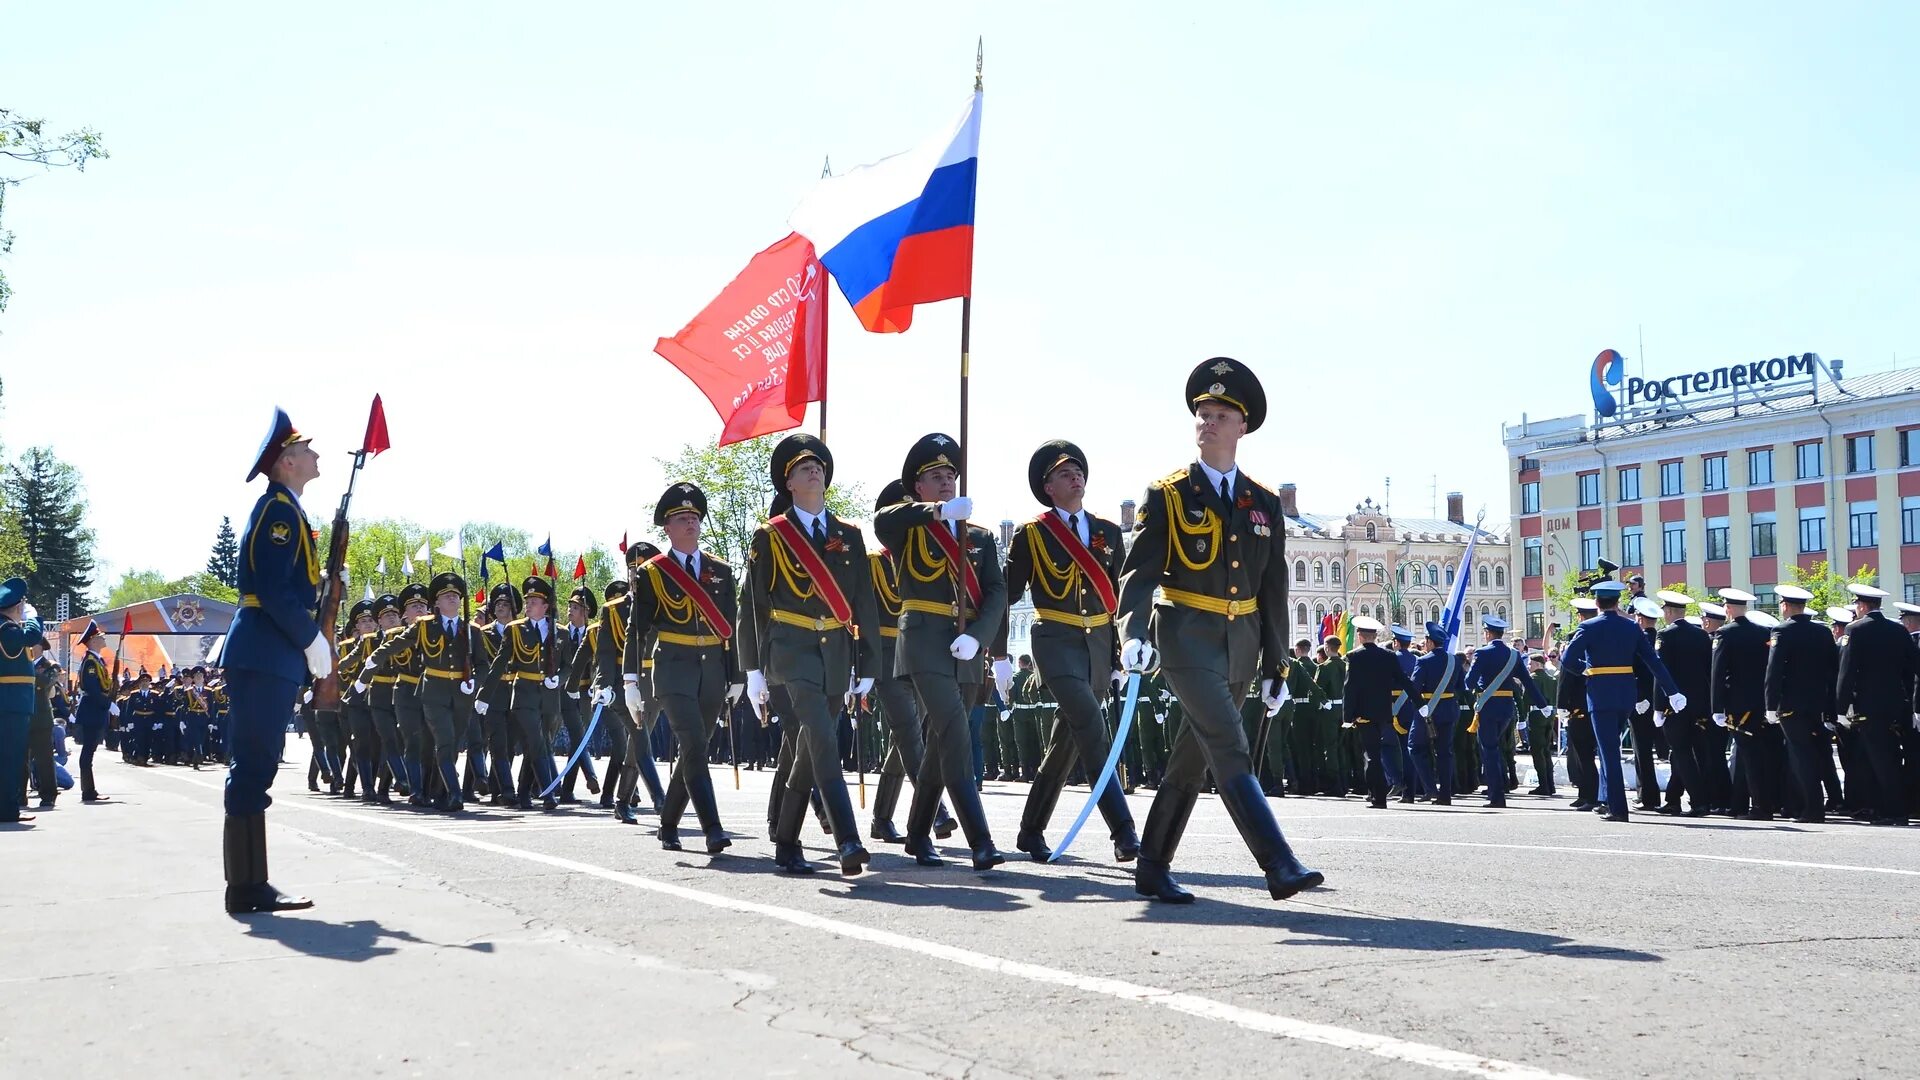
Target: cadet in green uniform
point(492, 699)
point(356, 702)
point(573, 644)
point(1069, 560)
point(527, 668)
point(1028, 693)
point(380, 695)
point(1150, 729)
point(1330, 740)
point(952, 597)
point(899, 709)
point(1541, 736)
point(684, 602)
point(1206, 582)
point(1283, 741)
point(812, 629)
point(440, 651)
point(1303, 688)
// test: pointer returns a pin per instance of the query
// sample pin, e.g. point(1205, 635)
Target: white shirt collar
point(691, 562)
point(806, 520)
point(1214, 476)
point(1067, 517)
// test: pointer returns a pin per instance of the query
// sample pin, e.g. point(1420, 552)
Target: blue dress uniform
point(1397, 760)
point(1497, 673)
point(20, 633)
point(272, 645)
point(1608, 644)
point(95, 707)
point(1432, 738)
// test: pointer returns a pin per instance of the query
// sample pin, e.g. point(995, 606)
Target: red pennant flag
point(623, 543)
point(376, 439)
point(480, 597)
point(126, 624)
point(759, 350)
point(550, 571)
point(580, 568)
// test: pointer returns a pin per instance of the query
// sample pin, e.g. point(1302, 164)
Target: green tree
point(15, 561)
point(27, 142)
point(739, 491)
point(46, 494)
point(394, 542)
point(224, 563)
point(1829, 587)
point(136, 586)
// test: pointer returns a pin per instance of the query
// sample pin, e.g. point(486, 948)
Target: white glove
point(757, 687)
point(603, 696)
point(863, 686)
point(1426, 712)
point(734, 690)
point(574, 694)
point(1830, 727)
point(466, 687)
point(1720, 719)
point(1773, 716)
point(28, 611)
point(306, 698)
point(319, 657)
point(1273, 695)
point(1641, 707)
point(956, 509)
point(1916, 721)
point(1003, 678)
point(359, 687)
point(1119, 676)
point(965, 647)
point(1846, 720)
point(113, 709)
point(183, 727)
point(631, 695)
point(480, 708)
point(1678, 702)
point(1659, 718)
point(1561, 713)
point(551, 682)
point(1136, 655)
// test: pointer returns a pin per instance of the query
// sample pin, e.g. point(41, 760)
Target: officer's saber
point(585, 741)
point(1106, 770)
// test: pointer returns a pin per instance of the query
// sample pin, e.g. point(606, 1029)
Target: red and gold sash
point(803, 551)
point(1090, 568)
point(950, 547)
point(666, 564)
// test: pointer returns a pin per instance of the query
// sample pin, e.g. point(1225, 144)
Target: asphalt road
point(1531, 941)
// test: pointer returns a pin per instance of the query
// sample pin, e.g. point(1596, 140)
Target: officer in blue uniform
point(1498, 672)
point(1608, 645)
point(1437, 680)
point(96, 707)
point(20, 634)
point(1374, 682)
point(1396, 760)
point(272, 647)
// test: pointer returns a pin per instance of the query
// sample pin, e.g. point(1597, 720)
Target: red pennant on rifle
point(550, 570)
point(376, 439)
point(126, 624)
point(580, 568)
point(623, 543)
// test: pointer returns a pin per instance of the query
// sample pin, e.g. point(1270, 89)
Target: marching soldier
point(1876, 697)
point(1646, 614)
point(387, 613)
point(1687, 650)
point(1571, 709)
point(573, 641)
point(952, 598)
point(1496, 675)
point(21, 638)
point(1802, 668)
point(357, 701)
point(525, 672)
point(1374, 679)
point(1608, 644)
point(1070, 560)
point(398, 662)
point(1739, 697)
point(610, 651)
point(272, 647)
point(96, 707)
point(1331, 760)
point(814, 630)
point(899, 709)
point(1439, 681)
point(1541, 734)
point(492, 712)
point(1205, 581)
point(1032, 714)
point(684, 602)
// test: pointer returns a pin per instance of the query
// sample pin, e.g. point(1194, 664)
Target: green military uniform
point(1542, 737)
point(899, 709)
point(1206, 582)
point(1331, 764)
point(573, 713)
point(528, 666)
point(380, 697)
point(938, 610)
point(694, 663)
point(1032, 714)
point(1307, 701)
point(47, 677)
point(795, 638)
point(356, 704)
point(1150, 728)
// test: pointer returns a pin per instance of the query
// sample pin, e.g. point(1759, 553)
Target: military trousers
point(410, 727)
point(1540, 747)
point(947, 764)
point(813, 719)
point(1211, 739)
point(13, 761)
point(257, 738)
point(40, 757)
point(1645, 738)
point(1432, 745)
point(365, 739)
point(900, 712)
point(1805, 747)
point(1607, 724)
point(692, 720)
point(393, 747)
point(1495, 728)
point(1880, 745)
point(329, 740)
point(1079, 732)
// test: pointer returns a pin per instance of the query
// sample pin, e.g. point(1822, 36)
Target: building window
point(1333, 569)
point(1807, 461)
point(1764, 542)
point(1449, 576)
point(1530, 557)
point(1910, 520)
point(1530, 497)
point(1590, 489)
point(1859, 453)
point(1502, 610)
point(1590, 550)
point(1433, 574)
point(1718, 548)
point(1714, 470)
point(1764, 597)
point(1319, 614)
point(1630, 484)
point(1469, 614)
point(1673, 542)
point(1300, 615)
point(1483, 575)
point(1400, 574)
point(1373, 532)
point(1632, 549)
point(1670, 483)
point(1300, 571)
point(1863, 525)
point(1912, 588)
point(1813, 529)
point(1536, 620)
point(1499, 577)
point(1910, 448)
point(1319, 572)
point(1759, 467)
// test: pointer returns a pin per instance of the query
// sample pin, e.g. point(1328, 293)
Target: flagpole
point(966, 365)
point(826, 170)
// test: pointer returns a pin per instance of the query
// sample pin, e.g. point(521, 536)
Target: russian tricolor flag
point(899, 232)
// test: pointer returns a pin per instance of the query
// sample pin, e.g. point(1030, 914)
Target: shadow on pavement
point(355, 941)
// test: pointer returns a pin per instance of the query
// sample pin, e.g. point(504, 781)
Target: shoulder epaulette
point(521, 621)
point(1171, 478)
point(615, 600)
point(1261, 486)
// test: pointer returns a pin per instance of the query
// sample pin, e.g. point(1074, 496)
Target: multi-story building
point(1722, 478)
point(1395, 569)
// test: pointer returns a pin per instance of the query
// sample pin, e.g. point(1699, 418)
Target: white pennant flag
point(369, 595)
point(452, 549)
point(344, 576)
point(381, 569)
point(426, 549)
point(406, 565)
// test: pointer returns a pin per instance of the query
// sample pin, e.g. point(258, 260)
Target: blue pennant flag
point(1455, 613)
point(498, 553)
point(546, 546)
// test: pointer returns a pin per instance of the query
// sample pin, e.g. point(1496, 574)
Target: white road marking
point(1384, 1046)
point(1617, 851)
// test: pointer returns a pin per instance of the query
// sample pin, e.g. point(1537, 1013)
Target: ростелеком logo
point(1608, 368)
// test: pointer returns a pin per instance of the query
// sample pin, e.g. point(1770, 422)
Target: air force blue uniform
point(16, 705)
point(1485, 678)
point(1609, 644)
point(1432, 738)
point(266, 648)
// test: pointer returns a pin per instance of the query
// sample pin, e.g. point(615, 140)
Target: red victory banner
point(759, 350)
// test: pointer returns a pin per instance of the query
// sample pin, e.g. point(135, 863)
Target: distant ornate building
point(1395, 569)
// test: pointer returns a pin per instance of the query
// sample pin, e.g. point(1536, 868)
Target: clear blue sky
point(1415, 221)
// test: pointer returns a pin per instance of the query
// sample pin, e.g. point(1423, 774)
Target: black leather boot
point(1113, 807)
point(886, 795)
point(1248, 807)
point(244, 845)
point(788, 855)
point(1166, 821)
point(973, 823)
